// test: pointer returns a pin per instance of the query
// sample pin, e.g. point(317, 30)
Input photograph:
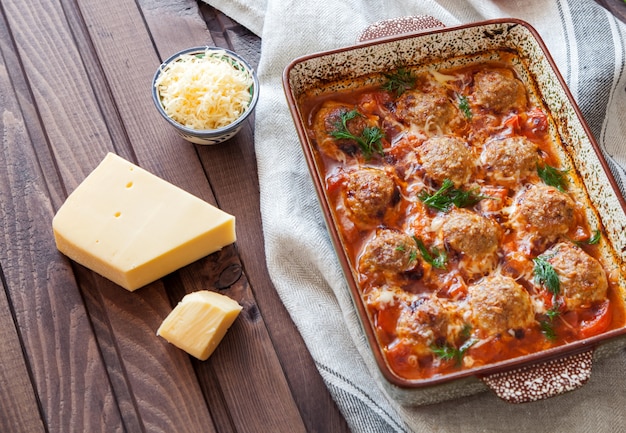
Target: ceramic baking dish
point(526, 378)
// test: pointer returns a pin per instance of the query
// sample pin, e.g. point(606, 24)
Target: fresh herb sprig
point(370, 140)
point(464, 106)
point(448, 353)
point(412, 252)
point(553, 312)
point(547, 329)
point(447, 196)
point(553, 176)
point(445, 352)
point(593, 240)
point(437, 259)
point(545, 275)
point(547, 325)
point(466, 331)
point(399, 81)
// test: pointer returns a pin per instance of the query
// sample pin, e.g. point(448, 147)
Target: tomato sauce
point(419, 293)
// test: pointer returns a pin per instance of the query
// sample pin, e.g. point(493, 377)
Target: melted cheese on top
point(420, 312)
point(204, 92)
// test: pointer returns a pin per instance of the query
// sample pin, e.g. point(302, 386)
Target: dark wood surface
point(78, 353)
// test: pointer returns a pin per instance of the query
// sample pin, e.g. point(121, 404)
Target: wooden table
point(80, 354)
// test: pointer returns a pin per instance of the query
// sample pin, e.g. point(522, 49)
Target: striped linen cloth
point(589, 47)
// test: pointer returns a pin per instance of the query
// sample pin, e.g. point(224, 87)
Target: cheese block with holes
point(199, 322)
point(133, 227)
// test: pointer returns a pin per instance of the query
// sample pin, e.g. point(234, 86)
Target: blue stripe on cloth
point(597, 73)
point(568, 53)
point(371, 415)
point(596, 62)
point(619, 172)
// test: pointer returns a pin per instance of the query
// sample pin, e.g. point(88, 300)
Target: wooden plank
point(69, 108)
point(230, 34)
point(153, 141)
point(19, 411)
point(57, 341)
point(75, 113)
point(174, 25)
point(151, 380)
point(320, 414)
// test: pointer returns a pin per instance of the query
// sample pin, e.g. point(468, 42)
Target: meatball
point(544, 210)
point(428, 322)
point(474, 238)
point(467, 232)
point(509, 160)
point(430, 111)
point(387, 296)
point(389, 250)
point(499, 91)
point(368, 194)
point(582, 278)
point(328, 119)
point(498, 303)
point(446, 157)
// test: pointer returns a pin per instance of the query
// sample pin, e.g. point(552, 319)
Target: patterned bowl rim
point(208, 133)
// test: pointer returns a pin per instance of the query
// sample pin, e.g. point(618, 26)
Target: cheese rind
point(199, 322)
point(133, 227)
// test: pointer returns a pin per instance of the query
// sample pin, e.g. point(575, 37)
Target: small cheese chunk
point(199, 322)
point(133, 227)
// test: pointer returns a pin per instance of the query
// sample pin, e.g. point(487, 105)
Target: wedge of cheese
point(199, 322)
point(133, 227)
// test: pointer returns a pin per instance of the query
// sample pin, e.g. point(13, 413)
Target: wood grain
point(80, 353)
point(276, 410)
point(17, 408)
point(53, 327)
point(320, 414)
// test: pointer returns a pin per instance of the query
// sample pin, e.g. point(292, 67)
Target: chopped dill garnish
point(445, 352)
point(447, 196)
point(553, 176)
point(466, 332)
point(437, 259)
point(370, 139)
point(547, 329)
point(448, 353)
point(412, 253)
point(593, 240)
point(399, 81)
point(553, 312)
point(412, 256)
point(546, 325)
point(546, 275)
point(464, 106)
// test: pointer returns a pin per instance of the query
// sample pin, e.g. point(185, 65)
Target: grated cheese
point(204, 92)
